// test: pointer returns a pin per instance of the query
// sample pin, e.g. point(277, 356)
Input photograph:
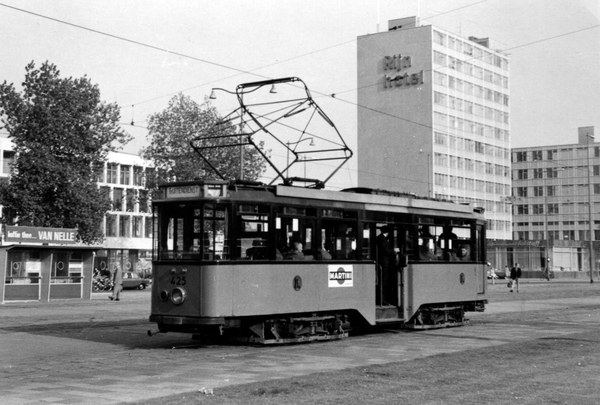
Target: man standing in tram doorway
point(118, 282)
point(386, 258)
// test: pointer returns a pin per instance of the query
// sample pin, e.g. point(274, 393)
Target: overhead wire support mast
point(288, 119)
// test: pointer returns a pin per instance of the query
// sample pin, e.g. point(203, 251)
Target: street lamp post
point(590, 217)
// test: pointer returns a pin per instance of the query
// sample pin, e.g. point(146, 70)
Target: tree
point(169, 136)
point(62, 133)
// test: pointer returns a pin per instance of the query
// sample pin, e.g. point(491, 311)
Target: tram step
point(388, 321)
point(386, 312)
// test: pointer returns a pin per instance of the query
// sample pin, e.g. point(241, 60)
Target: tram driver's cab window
point(193, 233)
point(294, 229)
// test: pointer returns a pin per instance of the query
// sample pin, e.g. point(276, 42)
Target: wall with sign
point(394, 131)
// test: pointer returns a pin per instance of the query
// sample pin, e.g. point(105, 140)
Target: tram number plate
point(178, 280)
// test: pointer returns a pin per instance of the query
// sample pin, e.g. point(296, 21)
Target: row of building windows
point(536, 209)
point(468, 107)
point(551, 191)
point(457, 162)
point(581, 235)
point(555, 172)
point(564, 208)
point(469, 145)
point(465, 183)
point(127, 200)
point(461, 124)
point(536, 191)
point(554, 223)
point(469, 69)
point(126, 175)
point(469, 88)
point(128, 226)
point(553, 154)
point(469, 49)
point(489, 205)
point(456, 124)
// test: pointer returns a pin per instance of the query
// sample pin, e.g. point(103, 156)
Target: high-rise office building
point(433, 118)
point(552, 190)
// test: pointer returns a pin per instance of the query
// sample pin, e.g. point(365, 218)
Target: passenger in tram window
point(258, 251)
point(323, 254)
point(425, 250)
point(386, 259)
point(464, 253)
point(447, 242)
point(296, 252)
point(427, 245)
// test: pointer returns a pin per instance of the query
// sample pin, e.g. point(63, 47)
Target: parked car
point(133, 280)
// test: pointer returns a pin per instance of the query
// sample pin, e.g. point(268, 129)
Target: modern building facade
point(553, 187)
point(128, 225)
point(552, 190)
point(433, 118)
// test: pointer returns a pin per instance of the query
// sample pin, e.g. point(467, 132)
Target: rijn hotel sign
point(399, 64)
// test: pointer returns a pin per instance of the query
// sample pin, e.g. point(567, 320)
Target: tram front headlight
point(164, 295)
point(178, 295)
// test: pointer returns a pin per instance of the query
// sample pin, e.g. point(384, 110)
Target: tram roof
point(394, 202)
point(368, 199)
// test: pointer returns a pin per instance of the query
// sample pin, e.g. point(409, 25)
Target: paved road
point(98, 351)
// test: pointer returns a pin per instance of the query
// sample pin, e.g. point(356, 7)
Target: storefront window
point(67, 267)
point(24, 267)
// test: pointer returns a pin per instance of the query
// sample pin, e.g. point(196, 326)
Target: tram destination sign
point(196, 190)
point(33, 234)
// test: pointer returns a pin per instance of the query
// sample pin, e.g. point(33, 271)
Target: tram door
point(390, 241)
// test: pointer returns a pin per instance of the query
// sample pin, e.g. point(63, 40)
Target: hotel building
point(433, 118)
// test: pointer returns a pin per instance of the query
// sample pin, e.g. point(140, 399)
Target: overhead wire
point(252, 72)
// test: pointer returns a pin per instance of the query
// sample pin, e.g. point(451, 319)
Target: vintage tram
point(280, 264)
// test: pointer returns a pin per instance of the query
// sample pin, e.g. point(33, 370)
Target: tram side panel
point(218, 291)
point(300, 288)
point(450, 283)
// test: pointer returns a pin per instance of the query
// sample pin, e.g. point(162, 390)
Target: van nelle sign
point(32, 234)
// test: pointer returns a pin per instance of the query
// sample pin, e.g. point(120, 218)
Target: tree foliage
point(62, 133)
point(169, 136)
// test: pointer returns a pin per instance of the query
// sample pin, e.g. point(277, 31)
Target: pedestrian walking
point(515, 274)
point(118, 283)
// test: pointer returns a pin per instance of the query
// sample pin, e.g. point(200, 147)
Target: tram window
point(445, 240)
point(253, 234)
point(366, 243)
point(339, 239)
point(294, 229)
point(192, 233)
point(427, 246)
point(215, 243)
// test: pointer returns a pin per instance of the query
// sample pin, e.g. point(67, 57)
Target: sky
point(141, 53)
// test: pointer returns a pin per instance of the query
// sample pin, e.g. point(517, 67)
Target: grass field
point(561, 370)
